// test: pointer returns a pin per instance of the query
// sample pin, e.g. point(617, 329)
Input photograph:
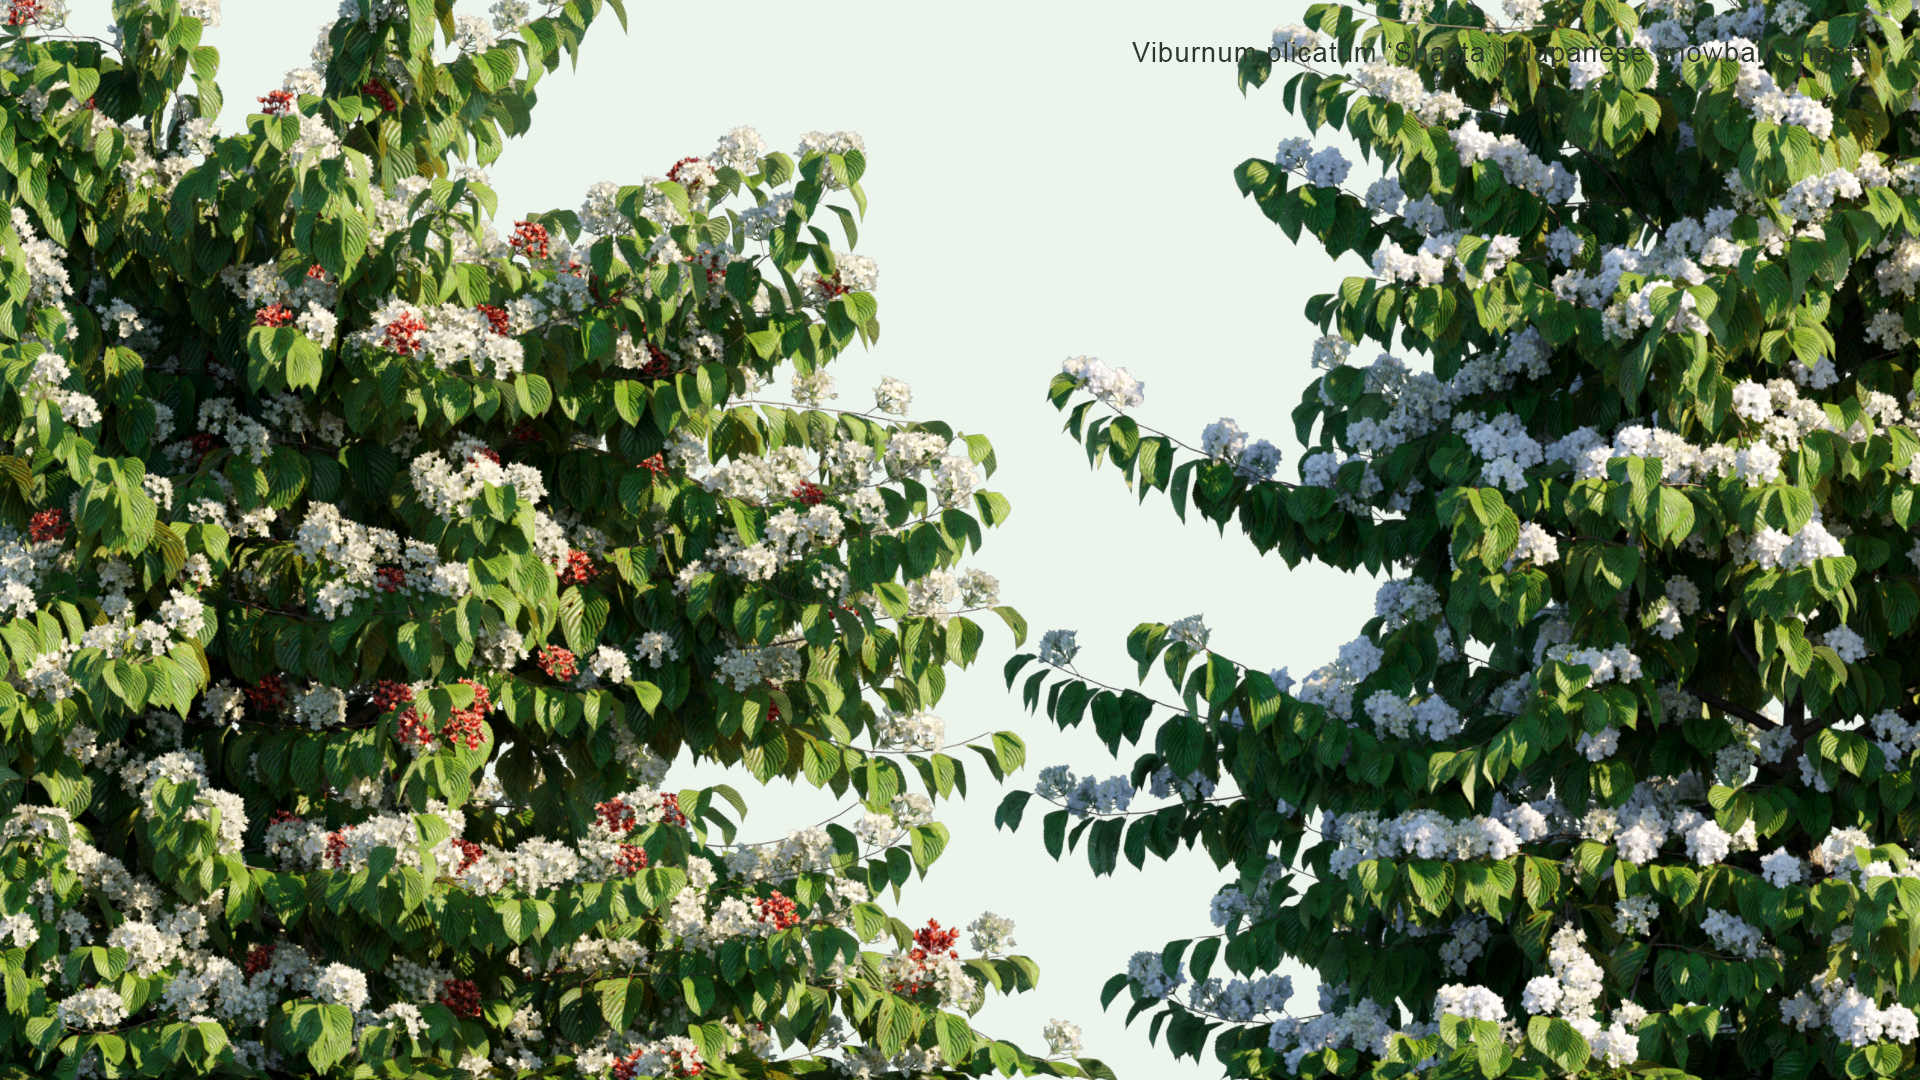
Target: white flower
point(1062, 1037)
point(892, 396)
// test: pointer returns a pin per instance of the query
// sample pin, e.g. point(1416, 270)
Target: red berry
point(462, 996)
point(277, 103)
point(273, 315)
point(48, 525)
point(531, 240)
point(557, 662)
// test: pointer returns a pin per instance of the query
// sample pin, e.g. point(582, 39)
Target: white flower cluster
point(1429, 718)
point(1732, 934)
point(448, 334)
point(1332, 686)
point(1853, 1017)
point(1402, 86)
point(359, 554)
point(1084, 795)
point(1224, 441)
point(1521, 167)
point(1655, 812)
point(1756, 89)
point(1058, 648)
point(1242, 1000)
point(1776, 550)
point(449, 483)
point(1147, 969)
point(1363, 1026)
point(1062, 1037)
point(1398, 603)
point(915, 730)
point(747, 668)
point(1116, 387)
point(1425, 834)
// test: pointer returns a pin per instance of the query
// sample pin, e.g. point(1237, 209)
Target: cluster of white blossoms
point(1575, 982)
point(1732, 934)
point(1656, 814)
point(1757, 90)
point(747, 667)
point(1062, 1038)
point(448, 483)
point(1117, 388)
point(1429, 718)
point(448, 335)
point(1428, 263)
point(1521, 166)
point(1084, 795)
point(1396, 85)
point(1332, 686)
point(913, 730)
point(1773, 549)
point(48, 382)
point(1362, 1026)
point(1402, 602)
point(371, 561)
point(1241, 1000)
point(1058, 648)
point(1224, 441)
point(892, 396)
point(1837, 1004)
point(1425, 834)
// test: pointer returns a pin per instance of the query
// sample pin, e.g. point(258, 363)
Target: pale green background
point(1034, 193)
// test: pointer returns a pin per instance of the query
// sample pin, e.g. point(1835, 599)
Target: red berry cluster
point(268, 694)
point(527, 433)
point(464, 725)
point(930, 941)
point(282, 817)
point(336, 850)
point(579, 569)
point(657, 465)
point(470, 853)
point(277, 103)
point(273, 315)
point(414, 730)
point(496, 318)
point(390, 579)
point(403, 333)
point(670, 810)
point(377, 90)
point(532, 240)
point(22, 12)
point(617, 816)
point(485, 454)
point(809, 493)
point(658, 366)
point(462, 996)
point(202, 442)
point(829, 285)
point(48, 525)
point(259, 958)
point(389, 695)
point(778, 910)
point(631, 860)
point(317, 272)
point(557, 662)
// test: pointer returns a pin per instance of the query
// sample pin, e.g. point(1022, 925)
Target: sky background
point(1034, 193)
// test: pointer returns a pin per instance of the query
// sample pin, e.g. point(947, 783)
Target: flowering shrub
point(1621, 772)
point(364, 569)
